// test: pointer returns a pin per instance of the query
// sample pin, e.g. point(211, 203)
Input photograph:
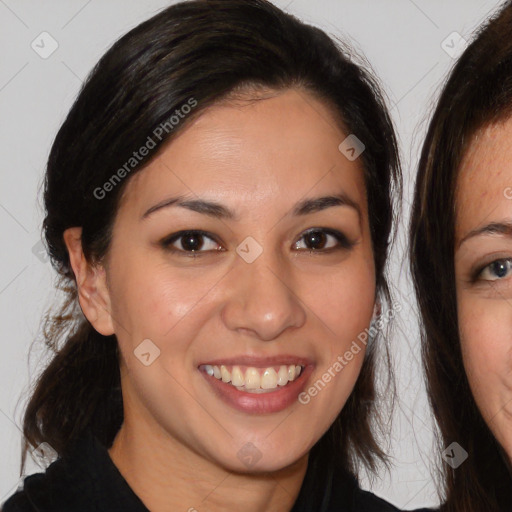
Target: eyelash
point(477, 275)
point(343, 242)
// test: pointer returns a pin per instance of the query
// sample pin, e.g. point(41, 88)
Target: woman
point(461, 253)
point(219, 203)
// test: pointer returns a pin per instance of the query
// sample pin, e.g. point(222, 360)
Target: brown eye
point(315, 239)
point(192, 242)
point(323, 240)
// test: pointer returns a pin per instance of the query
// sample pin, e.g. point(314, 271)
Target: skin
point(484, 288)
point(177, 447)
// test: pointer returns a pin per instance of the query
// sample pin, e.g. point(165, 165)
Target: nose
point(261, 299)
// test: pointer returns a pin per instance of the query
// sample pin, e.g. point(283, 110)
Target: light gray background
point(402, 39)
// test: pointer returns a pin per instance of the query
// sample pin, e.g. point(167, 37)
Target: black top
point(87, 480)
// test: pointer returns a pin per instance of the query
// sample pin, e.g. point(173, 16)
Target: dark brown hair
point(203, 50)
point(478, 93)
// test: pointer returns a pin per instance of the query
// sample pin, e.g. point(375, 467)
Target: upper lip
point(260, 362)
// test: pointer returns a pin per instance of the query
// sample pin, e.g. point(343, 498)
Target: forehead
point(284, 142)
point(484, 178)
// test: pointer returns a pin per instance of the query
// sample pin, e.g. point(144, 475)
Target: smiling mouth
point(251, 379)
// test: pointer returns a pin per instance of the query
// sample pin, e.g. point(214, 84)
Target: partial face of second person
point(264, 164)
point(483, 265)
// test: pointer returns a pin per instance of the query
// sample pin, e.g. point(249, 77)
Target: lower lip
point(260, 403)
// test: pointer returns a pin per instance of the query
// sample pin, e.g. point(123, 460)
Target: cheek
point(346, 299)
point(152, 298)
point(345, 304)
point(486, 343)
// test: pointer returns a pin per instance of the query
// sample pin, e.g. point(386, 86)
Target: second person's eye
point(496, 270)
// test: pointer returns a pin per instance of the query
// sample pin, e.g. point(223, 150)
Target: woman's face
point(483, 263)
point(253, 304)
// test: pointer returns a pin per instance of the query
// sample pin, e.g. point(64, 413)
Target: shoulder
point(19, 501)
point(83, 479)
point(365, 501)
point(66, 484)
point(348, 495)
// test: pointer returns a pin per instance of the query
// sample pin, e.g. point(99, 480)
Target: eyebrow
point(494, 228)
point(219, 211)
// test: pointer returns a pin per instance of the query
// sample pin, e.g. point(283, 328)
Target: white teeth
point(226, 376)
point(252, 378)
point(269, 379)
point(282, 376)
point(237, 378)
point(255, 379)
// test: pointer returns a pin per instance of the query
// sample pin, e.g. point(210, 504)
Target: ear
point(91, 282)
point(377, 309)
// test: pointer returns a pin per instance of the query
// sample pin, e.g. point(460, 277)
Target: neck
point(166, 475)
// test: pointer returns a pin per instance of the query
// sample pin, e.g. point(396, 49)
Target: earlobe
point(377, 310)
point(93, 293)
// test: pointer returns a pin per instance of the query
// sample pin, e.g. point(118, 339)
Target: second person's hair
point(477, 93)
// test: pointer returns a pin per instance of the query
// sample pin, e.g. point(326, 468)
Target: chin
point(270, 459)
point(262, 467)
